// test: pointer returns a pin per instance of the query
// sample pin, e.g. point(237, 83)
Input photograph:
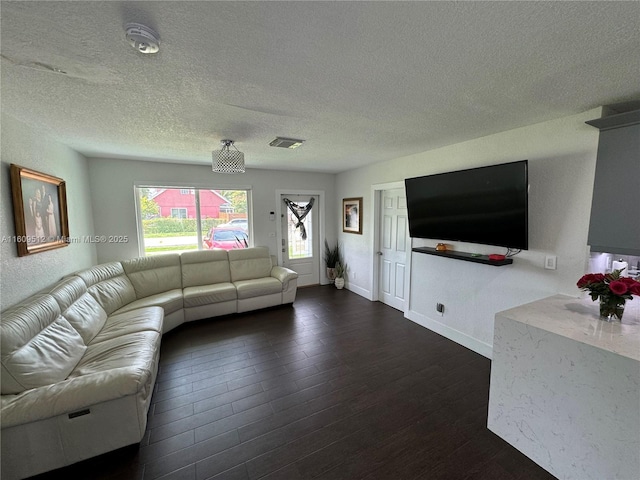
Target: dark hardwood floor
point(333, 387)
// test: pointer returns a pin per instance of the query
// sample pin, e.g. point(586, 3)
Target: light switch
point(550, 262)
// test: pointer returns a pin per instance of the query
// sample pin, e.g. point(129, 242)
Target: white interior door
point(394, 242)
point(301, 256)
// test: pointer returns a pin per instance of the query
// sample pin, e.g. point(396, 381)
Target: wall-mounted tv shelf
point(469, 257)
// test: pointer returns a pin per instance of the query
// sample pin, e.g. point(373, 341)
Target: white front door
point(394, 242)
point(301, 256)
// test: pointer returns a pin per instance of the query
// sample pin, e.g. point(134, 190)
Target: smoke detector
point(142, 38)
point(286, 142)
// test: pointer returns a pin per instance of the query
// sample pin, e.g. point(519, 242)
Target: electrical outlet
point(440, 309)
point(353, 275)
point(550, 262)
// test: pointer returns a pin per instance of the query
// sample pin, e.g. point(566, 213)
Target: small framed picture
point(352, 215)
point(39, 211)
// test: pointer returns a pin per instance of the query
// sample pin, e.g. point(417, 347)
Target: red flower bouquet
point(612, 289)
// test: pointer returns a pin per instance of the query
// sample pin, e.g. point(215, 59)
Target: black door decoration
point(300, 213)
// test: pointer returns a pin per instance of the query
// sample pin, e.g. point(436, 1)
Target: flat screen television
point(486, 205)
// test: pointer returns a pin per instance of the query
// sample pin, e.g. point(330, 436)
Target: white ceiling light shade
point(142, 38)
point(227, 160)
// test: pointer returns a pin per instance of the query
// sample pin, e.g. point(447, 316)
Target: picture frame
point(39, 210)
point(352, 215)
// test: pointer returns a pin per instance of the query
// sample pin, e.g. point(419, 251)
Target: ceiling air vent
point(286, 142)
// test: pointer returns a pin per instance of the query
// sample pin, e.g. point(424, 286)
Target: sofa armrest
point(283, 274)
point(72, 395)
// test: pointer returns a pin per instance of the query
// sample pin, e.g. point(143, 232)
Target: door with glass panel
point(298, 253)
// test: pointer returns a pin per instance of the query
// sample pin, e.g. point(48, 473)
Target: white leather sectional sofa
point(79, 361)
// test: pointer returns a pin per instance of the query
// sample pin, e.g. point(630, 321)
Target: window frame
point(193, 187)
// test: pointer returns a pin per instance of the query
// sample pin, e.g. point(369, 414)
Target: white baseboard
point(463, 339)
point(363, 292)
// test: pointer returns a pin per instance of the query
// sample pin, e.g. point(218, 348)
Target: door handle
point(379, 253)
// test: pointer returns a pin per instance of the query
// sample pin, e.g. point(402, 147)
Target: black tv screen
point(487, 205)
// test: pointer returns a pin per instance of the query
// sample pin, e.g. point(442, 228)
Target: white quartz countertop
point(578, 319)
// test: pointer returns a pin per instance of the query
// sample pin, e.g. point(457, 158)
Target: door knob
point(379, 253)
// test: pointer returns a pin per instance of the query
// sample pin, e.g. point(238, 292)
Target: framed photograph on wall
point(352, 215)
point(39, 211)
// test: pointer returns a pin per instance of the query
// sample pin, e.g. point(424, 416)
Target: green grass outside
point(164, 235)
point(170, 248)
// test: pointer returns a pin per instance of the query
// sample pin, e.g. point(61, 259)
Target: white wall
point(112, 190)
point(562, 157)
point(23, 276)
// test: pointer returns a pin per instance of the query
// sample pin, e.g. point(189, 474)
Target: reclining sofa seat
point(76, 381)
point(207, 288)
point(260, 284)
point(157, 281)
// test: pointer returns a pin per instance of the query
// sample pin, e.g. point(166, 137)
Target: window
point(299, 248)
point(173, 220)
point(179, 213)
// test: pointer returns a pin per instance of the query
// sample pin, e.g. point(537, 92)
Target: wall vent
point(286, 142)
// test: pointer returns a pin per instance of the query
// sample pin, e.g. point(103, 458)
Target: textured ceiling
point(362, 82)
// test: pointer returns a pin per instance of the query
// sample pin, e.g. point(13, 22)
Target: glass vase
point(611, 308)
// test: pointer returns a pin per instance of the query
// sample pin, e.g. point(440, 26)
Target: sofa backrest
point(39, 346)
point(109, 285)
point(152, 275)
point(79, 307)
point(249, 263)
point(204, 267)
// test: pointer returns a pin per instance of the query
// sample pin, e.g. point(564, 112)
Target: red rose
point(584, 280)
point(590, 278)
point(628, 280)
point(635, 288)
point(618, 287)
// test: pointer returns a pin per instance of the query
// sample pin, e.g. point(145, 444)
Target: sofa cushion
point(132, 350)
point(68, 290)
point(249, 263)
point(47, 358)
point(113, 293)
point(25, 320)
point(100, 273)
point(80, 309)
point(19, 325)
point(109, 285)
point(138, 320)
point(257, 287)
point(207, 294)
point(153, 275)
point(204, 267)
point(170, 301)
point(86, 316)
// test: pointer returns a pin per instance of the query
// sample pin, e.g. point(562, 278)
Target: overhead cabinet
point(615, 220)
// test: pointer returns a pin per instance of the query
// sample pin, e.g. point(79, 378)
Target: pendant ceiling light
point(227, 160)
